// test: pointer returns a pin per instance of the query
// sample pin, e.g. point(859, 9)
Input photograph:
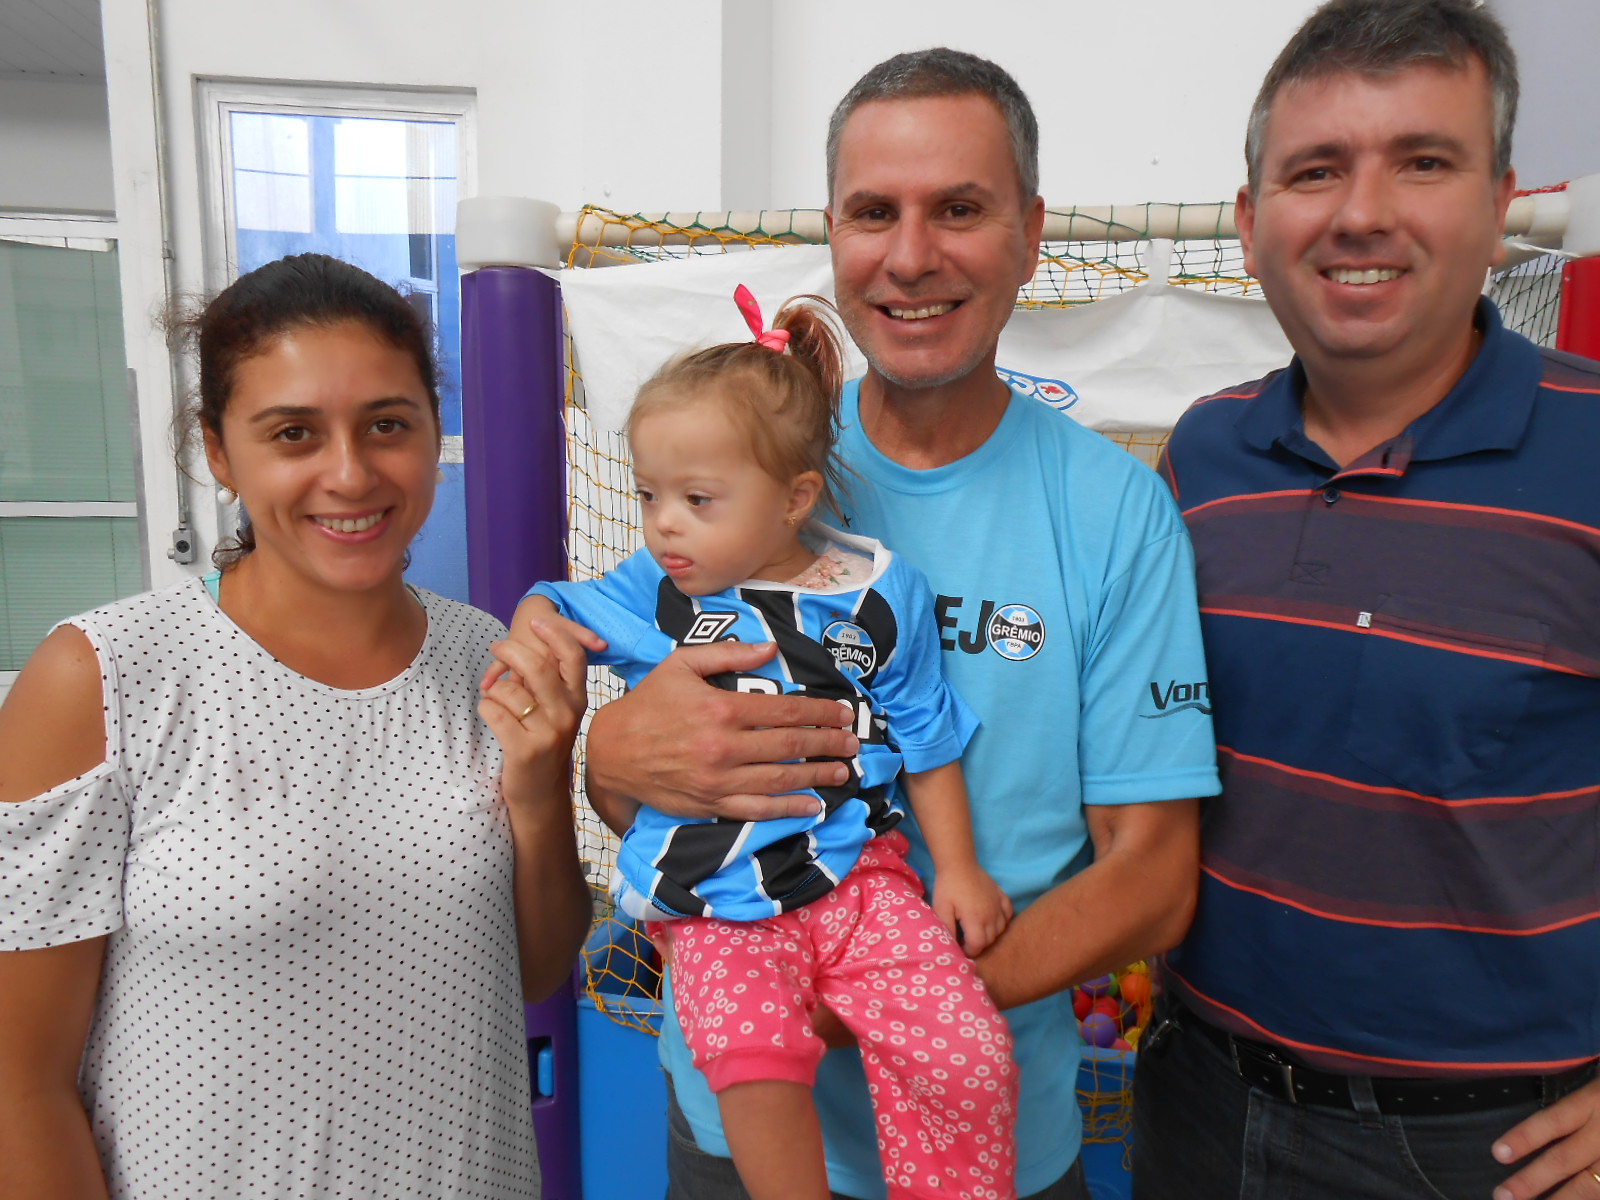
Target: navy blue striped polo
point(1402, 873)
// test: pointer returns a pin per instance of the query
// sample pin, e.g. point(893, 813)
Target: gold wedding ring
point(523, 715)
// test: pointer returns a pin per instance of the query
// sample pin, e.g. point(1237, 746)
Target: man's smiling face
point(930, 237)
point(1377, 212)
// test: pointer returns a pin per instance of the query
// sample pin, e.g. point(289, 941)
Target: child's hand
point(538, 624)
point(971, 905)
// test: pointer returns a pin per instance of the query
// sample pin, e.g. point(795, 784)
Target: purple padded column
point(512, 389)
point(553, 1063)
point(513, 385)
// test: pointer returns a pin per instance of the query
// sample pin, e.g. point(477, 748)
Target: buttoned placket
point(1317, 548)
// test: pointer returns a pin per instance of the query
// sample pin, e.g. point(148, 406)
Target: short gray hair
point(922, 74)
point(1381, 37)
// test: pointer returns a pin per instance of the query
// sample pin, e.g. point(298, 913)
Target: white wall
point(1558, 122)
point(55, 145)
point(1136, 101)
point(571, 108)
point(724, 103)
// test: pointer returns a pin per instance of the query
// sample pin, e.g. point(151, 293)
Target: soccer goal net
point(1086, 338)
point(1089, 256)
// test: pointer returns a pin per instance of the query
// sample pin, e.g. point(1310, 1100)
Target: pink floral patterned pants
point(937, 1052)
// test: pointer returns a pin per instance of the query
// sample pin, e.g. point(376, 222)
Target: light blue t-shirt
point(1064, 588)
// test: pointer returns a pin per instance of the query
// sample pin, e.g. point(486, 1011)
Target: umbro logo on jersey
point(1178, 697)
point(709, 627)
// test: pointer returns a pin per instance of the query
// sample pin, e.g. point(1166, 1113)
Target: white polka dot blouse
point(311, 984)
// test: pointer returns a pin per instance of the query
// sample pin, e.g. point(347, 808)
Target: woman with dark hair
point(284, 852)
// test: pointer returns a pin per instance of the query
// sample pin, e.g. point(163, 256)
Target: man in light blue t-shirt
point(1065, 600)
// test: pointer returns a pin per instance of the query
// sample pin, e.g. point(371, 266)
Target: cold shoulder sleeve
point(62, 854)
point(61, 862)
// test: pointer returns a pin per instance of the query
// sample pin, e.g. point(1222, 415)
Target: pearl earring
point(226, 496)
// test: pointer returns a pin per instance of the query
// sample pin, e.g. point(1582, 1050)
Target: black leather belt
point(1271, 1070)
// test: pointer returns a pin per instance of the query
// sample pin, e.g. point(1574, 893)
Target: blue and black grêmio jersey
point(872, 645)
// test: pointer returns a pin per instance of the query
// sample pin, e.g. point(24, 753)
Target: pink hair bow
point(773, 339)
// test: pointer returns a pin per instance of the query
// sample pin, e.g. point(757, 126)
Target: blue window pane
point(439, 553)
point(379, 193)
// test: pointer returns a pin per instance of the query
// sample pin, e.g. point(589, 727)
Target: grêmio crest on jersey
point(852, 649)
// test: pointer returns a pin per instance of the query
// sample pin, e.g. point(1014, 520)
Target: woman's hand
point(533, 699)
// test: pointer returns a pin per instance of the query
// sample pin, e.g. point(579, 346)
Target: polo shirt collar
point(1488, 408)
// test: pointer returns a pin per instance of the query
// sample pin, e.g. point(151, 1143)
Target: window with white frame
point(69, 512)
point(369, 177)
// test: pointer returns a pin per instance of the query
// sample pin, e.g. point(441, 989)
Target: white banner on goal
point(1128, 364)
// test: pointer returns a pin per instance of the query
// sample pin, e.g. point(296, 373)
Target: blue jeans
point(696, 1174)
point(1201, 1133)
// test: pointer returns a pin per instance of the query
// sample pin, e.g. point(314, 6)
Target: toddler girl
point(732, 452)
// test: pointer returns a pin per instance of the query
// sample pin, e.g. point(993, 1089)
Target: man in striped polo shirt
point(1390, 988)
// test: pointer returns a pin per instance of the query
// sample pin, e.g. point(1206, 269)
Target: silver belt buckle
point(1288, 1080)
point(1285, 1069)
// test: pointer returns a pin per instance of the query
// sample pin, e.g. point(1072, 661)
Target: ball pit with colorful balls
point(1114, 1010)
